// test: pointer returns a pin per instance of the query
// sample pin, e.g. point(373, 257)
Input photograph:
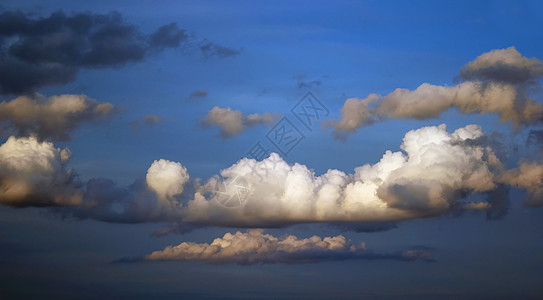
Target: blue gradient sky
point(353, 48)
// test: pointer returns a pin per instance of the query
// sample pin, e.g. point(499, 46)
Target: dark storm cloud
point(38, 52)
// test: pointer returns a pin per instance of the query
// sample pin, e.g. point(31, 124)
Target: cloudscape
point(271, 150)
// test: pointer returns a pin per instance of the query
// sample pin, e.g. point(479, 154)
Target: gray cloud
point(54, 117)
point(233, 122)
point(504, 65)
point(199, 94)
point(38, 52)
point(211, 50)
point(529, 176)
point(497, 82)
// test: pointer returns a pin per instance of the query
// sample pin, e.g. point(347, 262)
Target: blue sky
point(265, 57)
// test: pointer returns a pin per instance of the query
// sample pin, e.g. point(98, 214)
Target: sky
point(255, 150)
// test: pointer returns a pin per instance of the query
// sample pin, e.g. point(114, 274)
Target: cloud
point(233, 122)
point(504, 65)
point(354, 113)
point(436, 170)
point(211, 50)
point(166, 178)
point(529, 176)
point(497, 82)
point(168, 36)
point(199, 94)
point(255, 247)
point(434, 174)
point(149, 120)
point(54, 117)
point(45, 51)
point(303, 83)
point(34, 173)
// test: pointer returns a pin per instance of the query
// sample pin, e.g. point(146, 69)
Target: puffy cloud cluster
point(233, 122)
point(54, 117)
point(436, 170)
point(255, 247)
point(44, 51)
point(496, 82)
point(432, 175)
point(33, 173)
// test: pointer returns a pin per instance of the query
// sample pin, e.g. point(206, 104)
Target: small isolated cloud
point(149, 120)
point(54, 117)
point(255, 247)
point(233, 122)
point(199, 94)
point(303, 83)
point(211, 50)
point(496, 82)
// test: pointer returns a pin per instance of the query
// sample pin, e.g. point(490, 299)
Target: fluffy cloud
point(497, 82)
point(433, 175)
point(436, 170)
point(506, 65)
point(54, 117)
point(33, 173)
point(233, 122)
point(255, 247)
point(166, 178)
point(354, 113)
point(529, 176)
point(38, 52)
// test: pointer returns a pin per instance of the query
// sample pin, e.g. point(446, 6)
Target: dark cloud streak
point(38, 52)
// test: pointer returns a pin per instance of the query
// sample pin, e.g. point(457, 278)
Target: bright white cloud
point(166, 178)
point(425, 179)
